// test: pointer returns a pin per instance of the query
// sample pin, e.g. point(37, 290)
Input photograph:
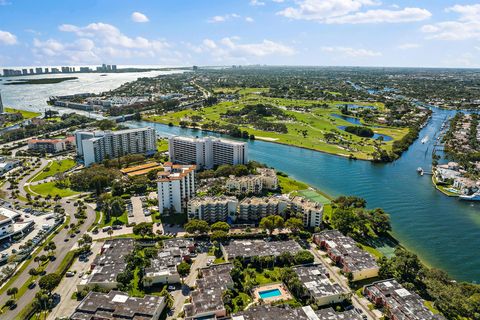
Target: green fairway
point(53, 168)
point(49, 188)
point(311, 127)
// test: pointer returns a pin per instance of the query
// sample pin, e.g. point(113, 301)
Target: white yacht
point(472, 197)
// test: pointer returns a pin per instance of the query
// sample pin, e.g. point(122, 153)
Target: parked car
point(69, 274)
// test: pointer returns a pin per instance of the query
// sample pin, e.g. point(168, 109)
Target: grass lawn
point(98, 215)
point(308, 129)
point(241, 301)
point(53, 168)
point(25, 114)
point(288, 184)
point(266, 276)
point(377, 254)
point(49, 188)
point(134, 289)
point(327, 212)
point(162, 145)
point(123, 219)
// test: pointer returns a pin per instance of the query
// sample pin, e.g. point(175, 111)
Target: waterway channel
point(443, 231)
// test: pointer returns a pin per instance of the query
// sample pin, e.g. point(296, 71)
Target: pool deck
point(285, 295)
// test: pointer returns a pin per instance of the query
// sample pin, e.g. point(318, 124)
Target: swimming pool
point(270, 293)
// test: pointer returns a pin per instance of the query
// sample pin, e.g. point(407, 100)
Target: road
point(68, 286)
point(360, 303)
point(62, 248)
point(180, 295)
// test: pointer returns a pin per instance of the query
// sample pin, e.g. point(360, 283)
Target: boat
point(472, 197)
point(425, 139)
point(419, 169)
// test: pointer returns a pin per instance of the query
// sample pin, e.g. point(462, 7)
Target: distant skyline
point(404, 33)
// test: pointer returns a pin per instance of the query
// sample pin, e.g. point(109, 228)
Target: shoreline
point(446, 193)
point(391, 234)
point(269, 141)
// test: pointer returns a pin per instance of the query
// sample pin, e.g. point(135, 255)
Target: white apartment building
point(96, 146)
point(269, 178)
point(253, 184)
point(254, 209)
point(176, 185)
point(311, 211)
point(207, 152)
point(212, 209)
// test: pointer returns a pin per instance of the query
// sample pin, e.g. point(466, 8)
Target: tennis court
point(314, 196)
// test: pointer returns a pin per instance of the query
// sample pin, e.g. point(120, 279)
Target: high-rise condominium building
point(96, 146)
point(208, 152)
point(176, 185)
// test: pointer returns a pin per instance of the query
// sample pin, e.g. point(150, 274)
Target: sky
point(401, 33)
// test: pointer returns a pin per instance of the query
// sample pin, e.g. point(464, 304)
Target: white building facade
point(96, 146)
point(176, 185)
point(212, 209)
point(208, 152)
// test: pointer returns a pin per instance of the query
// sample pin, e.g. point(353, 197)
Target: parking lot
point(68, 285)
point(138, 212)
point(40, 228)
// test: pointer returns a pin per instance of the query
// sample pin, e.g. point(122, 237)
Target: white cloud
point(279, 1)
point(350, 11)
point(467, 26)
point(98, 42)
point(407, 46)
point(79, 51)
point(230, 49)
point(257, 3)
point(139, 17)
point(7, 38)
point(249, 19)
point(383, 16)
point(219, 19)
point(110, 35)
point(352, 52)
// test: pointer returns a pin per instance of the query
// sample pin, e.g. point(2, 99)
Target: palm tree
point(12, 292)
point(117, 206)
point(110, 232)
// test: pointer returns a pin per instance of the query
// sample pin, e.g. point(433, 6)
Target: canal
point(443, 231)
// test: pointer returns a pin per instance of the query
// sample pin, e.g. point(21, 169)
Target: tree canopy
point(197, 226)
point(143, 229)
point(49, 282)
point(271, 223)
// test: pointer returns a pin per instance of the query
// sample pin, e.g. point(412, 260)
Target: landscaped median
point(27, 263)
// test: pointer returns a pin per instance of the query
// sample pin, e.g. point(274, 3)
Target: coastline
point(270, 141)
point(390, 234)
point(446, 193)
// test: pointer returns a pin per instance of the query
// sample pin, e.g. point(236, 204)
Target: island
point(38, 81)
